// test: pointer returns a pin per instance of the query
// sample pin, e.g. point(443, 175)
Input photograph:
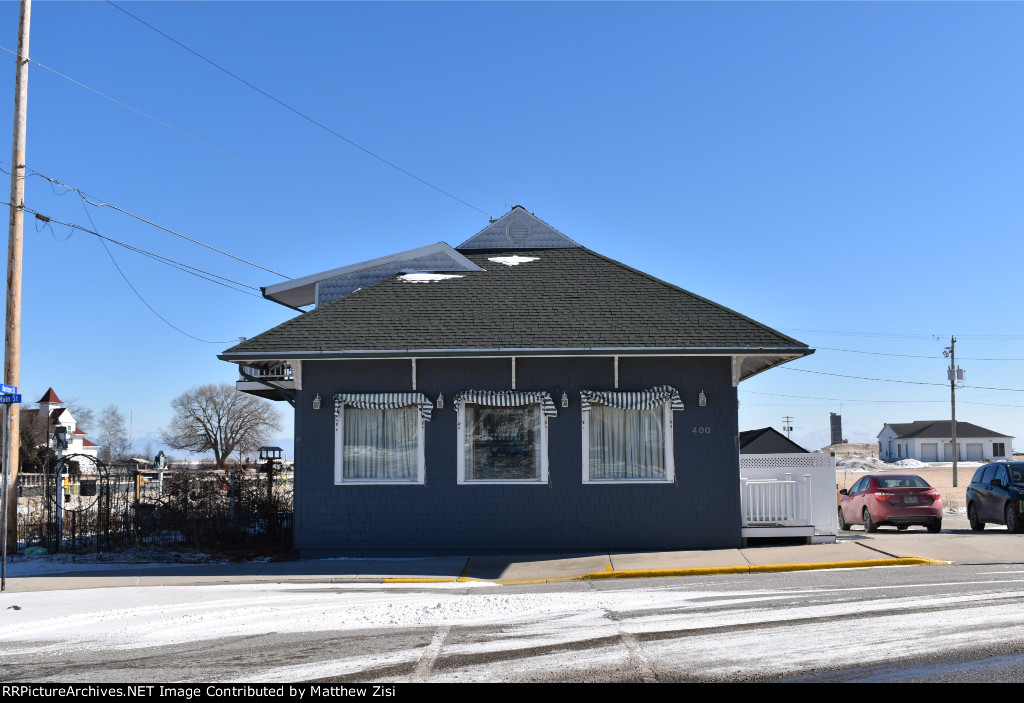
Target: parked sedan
point(996, 494)
point(900, 500)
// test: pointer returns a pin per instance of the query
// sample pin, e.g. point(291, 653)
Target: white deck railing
point(789, 489)
point(775, 501)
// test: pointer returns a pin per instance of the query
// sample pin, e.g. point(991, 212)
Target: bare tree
point(219, 419)
point(113, 434)
point(84, 417)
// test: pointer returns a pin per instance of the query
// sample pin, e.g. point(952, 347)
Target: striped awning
point(632, 400)
point(508, 399)
point(383, 401)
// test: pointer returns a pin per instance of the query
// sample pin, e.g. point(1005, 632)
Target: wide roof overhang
point(752, 360)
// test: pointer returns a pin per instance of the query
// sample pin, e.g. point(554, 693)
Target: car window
point(903, 482)
point(1016, 473)
point(1001, 474)
point(978, 474)
point(990, 471)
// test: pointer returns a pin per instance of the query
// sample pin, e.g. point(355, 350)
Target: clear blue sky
point(848, 173)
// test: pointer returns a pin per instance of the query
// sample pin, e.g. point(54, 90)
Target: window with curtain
point(379, 439)
point(627, 435)
point(626, 444)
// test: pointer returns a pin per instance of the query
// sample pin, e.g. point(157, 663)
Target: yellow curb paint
point(763, 568)
point(401, 580)
point(462, 577)
point(608, 567)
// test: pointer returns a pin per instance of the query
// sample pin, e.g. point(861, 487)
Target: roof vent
point(518, 231)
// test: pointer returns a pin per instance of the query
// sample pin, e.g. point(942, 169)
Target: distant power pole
point(955, 373)
point(15, 230)
point(787, 425)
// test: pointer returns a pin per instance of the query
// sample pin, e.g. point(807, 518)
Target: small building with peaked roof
point(517, 392)
point(932, 441)
point(768, 440)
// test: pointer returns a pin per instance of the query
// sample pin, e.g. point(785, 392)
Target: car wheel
point(869, 524)
point(1013, 521)
point(843, 524)
point(972, 516)
point(935, 527)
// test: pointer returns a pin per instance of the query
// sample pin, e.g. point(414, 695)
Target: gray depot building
point(518, 392)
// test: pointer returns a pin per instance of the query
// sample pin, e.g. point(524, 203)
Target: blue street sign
point(8, 390)
point(8, 398)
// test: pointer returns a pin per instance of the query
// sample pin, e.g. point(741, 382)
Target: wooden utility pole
point(12, 339)
point(953, 372)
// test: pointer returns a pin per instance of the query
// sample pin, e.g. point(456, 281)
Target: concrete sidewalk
point(854, 549)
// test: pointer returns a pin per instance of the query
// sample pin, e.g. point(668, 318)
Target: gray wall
point(700, 510)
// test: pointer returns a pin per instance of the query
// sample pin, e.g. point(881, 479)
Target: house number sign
point(701, 430)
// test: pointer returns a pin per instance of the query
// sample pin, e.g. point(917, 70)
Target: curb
point(750, 569)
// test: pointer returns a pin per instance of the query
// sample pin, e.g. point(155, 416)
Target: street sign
point(8, 390)
point(9, 398)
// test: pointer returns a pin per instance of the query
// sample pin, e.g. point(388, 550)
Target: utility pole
point(15, 230)
point(787, 425)
point(955, 373)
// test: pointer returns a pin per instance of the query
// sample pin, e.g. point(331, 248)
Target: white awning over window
point(383, 401)
point(632, 400)
point(508, 399)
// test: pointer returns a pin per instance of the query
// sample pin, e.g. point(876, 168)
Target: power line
point(185, 268)
point(298, 112)
point(223, 152)
point(134, 290)
point(864, 378)
point(915, 383)
point(347, 100)
point(842, 400)
point(85, 198)
point(920, 356)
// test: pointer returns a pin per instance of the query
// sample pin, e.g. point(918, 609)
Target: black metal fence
point(82, 504)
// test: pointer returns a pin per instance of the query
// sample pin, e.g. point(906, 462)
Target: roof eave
point(780, 355)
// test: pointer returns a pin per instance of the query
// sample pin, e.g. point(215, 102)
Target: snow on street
point(714, 628)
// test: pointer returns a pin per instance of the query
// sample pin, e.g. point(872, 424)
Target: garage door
point(974, 453)
point(947, 451)
point(930, 451)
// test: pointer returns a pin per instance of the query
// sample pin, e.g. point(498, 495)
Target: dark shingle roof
point(768, 440)
point(939, 429)
point(566, 299)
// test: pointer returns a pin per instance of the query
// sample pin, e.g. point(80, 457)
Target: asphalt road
point(953, 623)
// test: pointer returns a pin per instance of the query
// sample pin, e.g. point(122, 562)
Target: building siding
point(700, 510)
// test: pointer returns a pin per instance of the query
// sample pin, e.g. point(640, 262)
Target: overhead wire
point(296, 111)
point(85, 198)
point(185, 268)
point(915, 383)
point(920, 356)
point(135, 290)
point(223, 152)
point(326, 87)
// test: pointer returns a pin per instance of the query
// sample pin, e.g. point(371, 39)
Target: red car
point(900, 500)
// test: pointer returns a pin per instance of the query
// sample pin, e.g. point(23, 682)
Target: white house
point(932, 440)
point(53, 407)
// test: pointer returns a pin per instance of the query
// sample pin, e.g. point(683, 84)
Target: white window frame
point(339, 458)
point(670, 464)
point(542, 480)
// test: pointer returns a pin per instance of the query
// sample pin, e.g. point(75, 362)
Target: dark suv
point(996, 494)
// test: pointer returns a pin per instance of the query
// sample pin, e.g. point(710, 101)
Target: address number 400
point(702, 430)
